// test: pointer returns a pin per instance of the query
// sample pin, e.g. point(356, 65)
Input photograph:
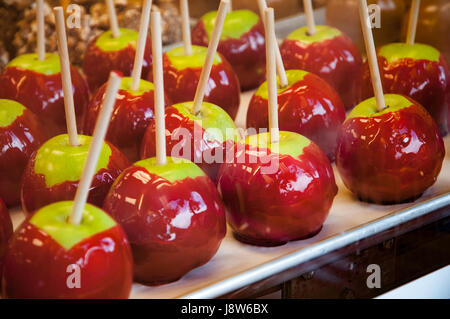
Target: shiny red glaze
point(35, 265)
point(200, 147)
point(131, 116)
point(390, 158)
point(43, 95)
point(17, 142)
point(36, 194)
point(272, 209)
point(335, 60)
point(427, 82)
point(247, 54)
point(6, 231)
point(309, 107)
point(172, 227)
point(222, 89)
point(97, 64)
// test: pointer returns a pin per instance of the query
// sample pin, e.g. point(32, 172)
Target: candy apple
point(276, 192)
point(55, 169)
point(330, 54)
point(172, 215)
point(203, 138)
point(418, 71)
point(133, 112)
point(6, 230)
point(389, 156)
point(241, 43)
point(20, 135)
point(37, 85)
point(182, 73)
point(48, 257)
point(106, 53)
point(307, 105)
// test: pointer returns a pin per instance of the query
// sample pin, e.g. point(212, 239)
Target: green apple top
point(9, 111)
point(289, 143)
point(144, 86)
point(180, 61)
point(30, 61)
point(323, 32)
point(175, 169)
point(368, 108)
point(237, 23)
point(293, 76)
point(214, 120)
point(60, 162)
point(53, 220)
point(108, 43)
point(397, 51)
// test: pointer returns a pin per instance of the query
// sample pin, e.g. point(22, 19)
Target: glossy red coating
point(43, 95)
point(172, 227)
point(427, 82)
point(36, 194)
point(35, 265)
point(222, 89)
point(97, 64)
point(272, 209)
point(247, 55)
point(6, 231)
point(390, 158)
point(335, 60)
point(17, 142)
point(310, 107)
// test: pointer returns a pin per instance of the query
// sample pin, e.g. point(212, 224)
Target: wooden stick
point(271, 75)
point(371, 55)
point(212, 48)
point(114, 25)
point(412, 24)
point(184, 9)
point(95, 148)
point(158, 81)
point(140, 48)
point(309, 12)
point(230, 6)
point(40, 30)
point(69, 106)
point(280, 66)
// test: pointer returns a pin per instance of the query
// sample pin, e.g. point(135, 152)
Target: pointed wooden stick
point(95, 148)
point(371, 55)
point(114, 25)
point(159, 89)
point(69, 106)
point(209, 60)
point(271, 75)
point(186, 28)
point(40, 30)
point(280, 66)
point(412, 24)
point(140, 48)
point(309, 12)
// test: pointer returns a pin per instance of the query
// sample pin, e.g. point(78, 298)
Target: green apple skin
point(55, 169)
point(45, 249)
point(389, 156)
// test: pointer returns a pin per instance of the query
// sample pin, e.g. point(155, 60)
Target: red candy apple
point(37, 85)
point(6, 230)
point(307, 105)
point(182, 73)
point(54, 171)
point(48, 257)
point(106, 53)
point(275, 193)
point(242, 44)
point(330, 54)
point(390, 156)
point(172, 215)
point(418, 71)
point(20, 135)
point(203, 139)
